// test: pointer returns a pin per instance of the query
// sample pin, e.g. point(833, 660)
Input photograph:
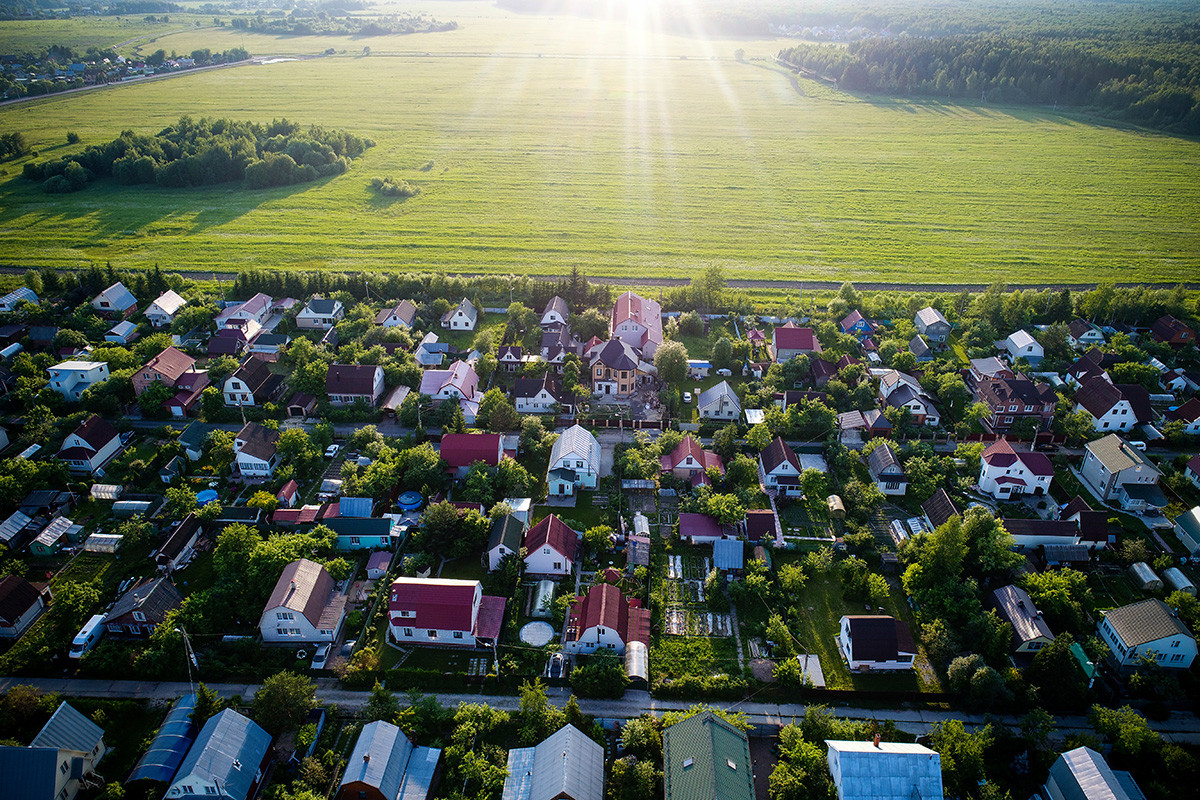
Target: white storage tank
point(1144, 577)
point(1178, 581)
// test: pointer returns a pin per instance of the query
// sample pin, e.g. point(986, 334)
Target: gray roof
point(386, 759)
point(705, 758)
point(728, 554)
point(881, 458)
point(1145, 621)
point(1015, 605)
point(557, 304)
point(323, 305)
point(567, 764)
point(229, 749)
point(714, 393)
point(576, 441)
point(889, 771)
point(1116, 455)
point(508, 531)
point(153, 597)
point(1083, 774)
point(305, 587)
point(195, 435)
point(355, 507)
point(929, 315)
point(918, 346)
point(67, 729)
point(29, 772)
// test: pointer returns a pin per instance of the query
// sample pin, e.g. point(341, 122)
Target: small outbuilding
point(837, 509)
point(1144, 577)
point(1178, 582)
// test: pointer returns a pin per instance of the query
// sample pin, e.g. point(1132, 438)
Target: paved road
point(1180, 727)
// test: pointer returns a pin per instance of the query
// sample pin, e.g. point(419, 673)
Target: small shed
point(1178, 581)
point(837, 509)
point(106, 491)
point(102, 543)
point(130, 508)
point(1144, 577)
point(729, 556)
point(542, 604)
point(637, 663)
point(377, 564)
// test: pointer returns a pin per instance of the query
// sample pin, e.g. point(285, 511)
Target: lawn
point(629, 167)
point(673, 657)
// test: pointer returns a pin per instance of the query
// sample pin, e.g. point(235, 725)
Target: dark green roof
point(507, 531)
point(706, 758)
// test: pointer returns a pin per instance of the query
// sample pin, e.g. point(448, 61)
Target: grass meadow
point(543, 143)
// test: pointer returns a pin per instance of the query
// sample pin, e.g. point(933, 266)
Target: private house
point(59, 762)
point(1173, 332)
point(509, 357)
point(876, 643)
point(616, 369)
point(378, 564)
point(762, 524)
point(987, 369)
point(21, 602)
point(188, 390)
point(872, 422)
point(386, 765)
point(1030, 534)
point(226, 760)
point(320, 314)
point(729, 557)
point(401, 315)
point(939, 509)
point(1093, 363)
point(462, 318)
point(1180, 380)
point(1030, 631)
point(574, 462)
point(288, 494)
point(193, 439)
point(706, 758)
point(301, 404)
point(162, 311)
point(430, 352)
point(1010, 400)
point(460, 383)
point(252, 383)
point(304, 608)
point(605, 619)
point(1192, 470)
point(41, 337)
point(22, 294)
point(346, 384)
point(1114, 407)
point(504, 539)
point(1005, 472)
point(567, 765)
point(1187, 529)
point(932, 325)
point(177, 550)
point(443, 612)
point(557, 343)
point(719, 402)
point(886, 471)
point(788, 341)
point(920, 349)
point(143, 607)
point(1188, 414)
point(92, 445)
point(1147, 628)
point(254, 448)
point(461, 450)
point(855, 324)
point(699, 528)
point(556, 314)
point(551, 548)
point(122, 333)
point(1083, 774)
point(365, 533)
point(72, 378)
point(879, 770)
point(919, 405)
point(637, 322)
point(540, 396)
point(166, 368)
point(232, 340)
point(1022, 345)
point(690, 461)
point(257, 310)
point(781, 469)
point(1121, 474)
point(115, 302)
point(1081, 334)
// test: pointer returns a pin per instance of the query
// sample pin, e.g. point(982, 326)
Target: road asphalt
point(1180, 726)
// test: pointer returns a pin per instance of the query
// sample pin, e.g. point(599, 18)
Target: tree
point(640, 738)
point(722, 354)
point(602, 676)
point(1058, 677)
point(382, 705)
point(536, 719)
point(282, 701)
point(180, 501)
point(962, 755)
point(633, 779)
point(759, 437)
point(264, 500)
point(670, 359)
point(597, 539)
point(1127, 731)
point(208, 704)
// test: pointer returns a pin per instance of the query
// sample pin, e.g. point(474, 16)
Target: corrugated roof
point(153, 597)
point(1083, 774)
point(441, 603)
point(713, 393)
point(878, 638)
point(554, 532)
point(729, 554)
point(379, 758)
point(507, 531)
point(1015, 605)
point(880, 459)
point(355, 507)
point(567, 764)
point(889, 771)
point(929, 315)
point(940, 508)
point(1116, 455)
point(29, 772)
point(304, 586)
point(706, 758)
point(170, 744)
point(1145, 621)
point(229, 749)
point(67, 729)
point(576, 441)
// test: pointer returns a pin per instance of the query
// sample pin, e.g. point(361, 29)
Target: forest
point(205, 152)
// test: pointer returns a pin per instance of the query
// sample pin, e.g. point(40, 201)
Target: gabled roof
point(153, 597)
point(1144, 622)
point(195, 435)
point(384, 758)
point(878, 638)
point(714, 393)
point(778, 452)
point(256, 373)
point(118, 296)
point(852, 319)
point(1097, 396)
point(1115, 454)
point(404, 311)
point(171, 364)
point(350, 379)
point(688, 446)
point(788, 338)
point(880, 459)
point(1139, 400)
point(706, 758)
point(1014, 604)
point(323, 306)
point(531, 387)
point(555, 533)
point(17, 595)
point(1021, 339)
point(1188, 412)
point(1081, 327)
point(760, 524)
point(864, 770)
point(256, 306)
point(556, 304)
point(918, 346)
point(643, 311)
point(604, 605)
point(728, 554)
point(997, 392)
point(940, 508)
point(228, 750)
point(257, 441)
point(169, 302)
point(67, 729)
point(464, 449)
point(930, 315)
point(508, 531)
point(1042, 528)
point(464, 306)
point(96, 431)
point(576, 441)
point(1167, 328)
point(702, 525)
point(1001, 454)
point(436, 603)
point(567, 764)
point(304, 586)
point(1083, 774)
point(180, 536)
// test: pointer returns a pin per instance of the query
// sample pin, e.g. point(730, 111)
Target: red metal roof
point(1001, 454)
point(447, 605)
point(700, 525)
point(464, 449)
point(490, 619)
point(796, 339)
point(554, 532)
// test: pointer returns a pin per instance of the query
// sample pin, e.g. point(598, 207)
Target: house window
point(433, 634)
point(210, 790)
point(408, 632)
point(891, 486)
point(139, 616)
point(63, 768)
point(353, 540)
point(558, 565)
point(458, 634)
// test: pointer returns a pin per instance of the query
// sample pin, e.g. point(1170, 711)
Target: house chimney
point(876, 740)
point(366, 758)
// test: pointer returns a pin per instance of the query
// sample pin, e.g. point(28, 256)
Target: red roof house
point(461, 450)
point(551, 547)
point(437, 611)
point(605, 619)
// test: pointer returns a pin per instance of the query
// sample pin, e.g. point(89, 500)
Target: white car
point(687, 397)
point(333, 450)
point(322, 653)
point(725, 373)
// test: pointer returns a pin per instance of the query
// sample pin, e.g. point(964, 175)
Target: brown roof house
point(876, 643)
point(349, 383)
point(400, 316)
point(304, 608)
point(781, 469)
point(143, 608)
point(92, 445)
point(252, 383)
point(166, 368)
point(605, 619)
point(255, 454)
point(1173, 332)
point(21, 602)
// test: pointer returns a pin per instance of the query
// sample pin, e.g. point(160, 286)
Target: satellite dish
point(302, 654)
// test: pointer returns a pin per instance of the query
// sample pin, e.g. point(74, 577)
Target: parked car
point(333, 450)
point(687, 397)
point(322, 654)
point(556, 665)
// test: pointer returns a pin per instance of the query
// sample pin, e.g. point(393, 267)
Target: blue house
point(358, 533)
point(225, 761)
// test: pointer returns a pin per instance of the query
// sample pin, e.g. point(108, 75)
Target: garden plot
point(685, 612)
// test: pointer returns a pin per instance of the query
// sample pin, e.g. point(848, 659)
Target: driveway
point(609, 440)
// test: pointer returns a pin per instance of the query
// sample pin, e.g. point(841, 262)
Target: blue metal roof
point(355, 507)
point(67, 729)
point(28, 772)
point(229, 749)
point(170, 745)
point(728, 554)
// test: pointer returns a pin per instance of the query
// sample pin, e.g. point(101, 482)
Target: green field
point(543, 143)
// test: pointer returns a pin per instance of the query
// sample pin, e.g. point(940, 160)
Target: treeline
point(296, 25)
point(1155, 84)
point(205, 152)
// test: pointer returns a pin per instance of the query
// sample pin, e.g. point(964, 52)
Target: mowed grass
point(630, 167)
point(124, 33)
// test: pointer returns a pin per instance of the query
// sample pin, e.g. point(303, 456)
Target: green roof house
point(706, 758)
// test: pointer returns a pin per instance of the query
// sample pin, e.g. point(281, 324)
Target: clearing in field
point(542, 143)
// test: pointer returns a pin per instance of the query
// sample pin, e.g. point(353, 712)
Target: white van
point(87, 637)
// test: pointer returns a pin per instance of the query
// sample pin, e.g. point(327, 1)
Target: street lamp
point(191, 657)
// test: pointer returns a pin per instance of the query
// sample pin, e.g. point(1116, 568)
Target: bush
point(72, 137)
point(390, 187)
